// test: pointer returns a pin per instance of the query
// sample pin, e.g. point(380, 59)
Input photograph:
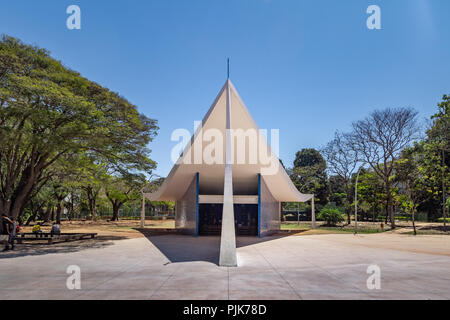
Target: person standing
point(6, 225)
point(56, 229)
point(13, 233)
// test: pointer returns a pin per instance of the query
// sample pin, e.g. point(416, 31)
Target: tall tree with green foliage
point(153, 185)
point(338, 193)
point(371, 191)
point(47, 111)
point(121, 190)
point(439, 145)
point(309, 174)
point(410, 174)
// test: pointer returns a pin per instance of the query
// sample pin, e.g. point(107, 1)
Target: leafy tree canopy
point(309, 175)
point(48, 111)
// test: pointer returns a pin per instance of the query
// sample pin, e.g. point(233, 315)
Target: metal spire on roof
point(228, 68)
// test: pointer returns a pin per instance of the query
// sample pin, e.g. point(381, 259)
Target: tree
point(62, 175)
point(60, 191)
point(120, 190)
point(338, 194)
point(342, 160)
point(439, 141)
point(370, 191)
point(380, 138)
point(39, 206)
point(92, 177)
point(409, 173)
point(309, 175)
point(154, 183)
point(47, 111)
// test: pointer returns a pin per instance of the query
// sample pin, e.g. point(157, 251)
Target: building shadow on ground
point(38, 249)
point(185, 248)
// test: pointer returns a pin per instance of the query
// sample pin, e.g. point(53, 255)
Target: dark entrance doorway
point(210, 219)
point(246, 219)
point(245, 216)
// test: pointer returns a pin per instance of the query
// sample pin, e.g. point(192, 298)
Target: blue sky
point(306, 67)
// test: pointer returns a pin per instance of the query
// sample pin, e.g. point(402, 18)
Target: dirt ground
point(123, 229)
point(129, 229)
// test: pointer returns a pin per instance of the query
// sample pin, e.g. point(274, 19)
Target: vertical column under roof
point(228, 237)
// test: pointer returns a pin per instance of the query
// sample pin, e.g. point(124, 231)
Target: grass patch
point(352, 230)
point(429, 233)
point(295, 226)
point(306, 228)
point(164, 224)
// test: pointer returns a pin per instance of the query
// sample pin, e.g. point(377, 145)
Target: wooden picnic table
point(50, 237)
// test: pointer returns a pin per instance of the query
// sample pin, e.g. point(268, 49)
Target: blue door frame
point(197, 175)
point(259, 205)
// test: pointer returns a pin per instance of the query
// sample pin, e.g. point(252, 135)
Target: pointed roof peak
point(228, 84)
point(185, 167)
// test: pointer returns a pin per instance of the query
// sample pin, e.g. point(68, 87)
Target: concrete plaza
point(183, 267)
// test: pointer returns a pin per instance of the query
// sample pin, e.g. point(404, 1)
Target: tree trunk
point(116, 206)
point(92, 202)
point(444, 191)
point(414, 219)
point(386, 212)
point(59, 208)
point(32, 217)
point(23, 191)
point(349, 200)
point(389, 204)
point(71, 212)
point(46, 215)
point(93, 209)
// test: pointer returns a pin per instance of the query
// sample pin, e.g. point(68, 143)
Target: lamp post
point(356, 198)
point(143, 209)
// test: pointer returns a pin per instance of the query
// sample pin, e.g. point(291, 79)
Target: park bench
point(52, 237)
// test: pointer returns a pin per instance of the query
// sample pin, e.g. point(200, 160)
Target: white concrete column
point(143, 211)
point(228, 237)
point(313, 213)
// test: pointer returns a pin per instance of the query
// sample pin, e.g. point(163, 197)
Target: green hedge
point(332, 216)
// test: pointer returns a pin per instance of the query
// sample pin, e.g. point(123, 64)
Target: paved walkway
point(183, 267)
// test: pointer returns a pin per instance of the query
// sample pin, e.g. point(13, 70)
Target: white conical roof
point(212, 175)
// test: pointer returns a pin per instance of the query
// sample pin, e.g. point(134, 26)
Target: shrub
point(332, 216)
